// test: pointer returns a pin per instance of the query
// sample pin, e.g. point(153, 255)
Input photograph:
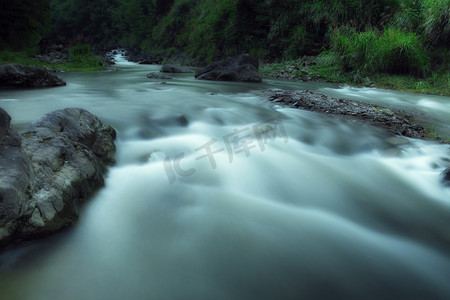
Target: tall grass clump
point(392, 51)
point(436, 25)
point(354, 51)
point(81, 57)
point(400, 52)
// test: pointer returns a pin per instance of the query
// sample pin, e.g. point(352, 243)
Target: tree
point(23, 22)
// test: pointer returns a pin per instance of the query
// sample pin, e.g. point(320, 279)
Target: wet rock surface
point(169, 68)
point(395, 121)
point(17, 75)
point(446, 177)
point(239, 68)
point(154, 75)
point(54, 54)
point(49, 170)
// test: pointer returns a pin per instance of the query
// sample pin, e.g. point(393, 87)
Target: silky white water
point(219, 194)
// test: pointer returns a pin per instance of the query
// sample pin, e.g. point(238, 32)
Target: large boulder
point(17, 75)
point(174, 69)
point(15, 177)
point(239, 68)
point(49, 170)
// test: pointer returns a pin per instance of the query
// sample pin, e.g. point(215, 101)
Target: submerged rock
point(46, 173)
point(239, 68)
point(446, 177)
point(17, 75)
point(154, 75)
point(174, 69)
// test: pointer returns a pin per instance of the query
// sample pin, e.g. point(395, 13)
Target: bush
point(81, 57)
point(173, 24)
point(82, 49)
point(393, 51)
point(437, 21)
point(408, 19)
point(354, 50)
point(399, 52)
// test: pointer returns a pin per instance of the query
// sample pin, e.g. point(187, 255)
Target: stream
point(220, 194)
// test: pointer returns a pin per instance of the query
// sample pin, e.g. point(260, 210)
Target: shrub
point(299, 42)
point(399, 52)
point(394, 51)
point(356, 51)
point(408, 19)
point(82, 57)
point(82, 49)
point(437, 21)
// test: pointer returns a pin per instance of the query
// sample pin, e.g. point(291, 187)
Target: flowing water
point(219, 194)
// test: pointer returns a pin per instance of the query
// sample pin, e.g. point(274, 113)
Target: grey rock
point(155, 126)
point(150, 61)
point(174, 69)
point(239, 68)
point(48, 171)
point(17, 75)
point(5, 120)
point(395, 121)
point(154, 75)
point(53, 57)
point(446, 177)
point(15, 175)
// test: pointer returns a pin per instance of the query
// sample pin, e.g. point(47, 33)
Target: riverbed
point(219, 193)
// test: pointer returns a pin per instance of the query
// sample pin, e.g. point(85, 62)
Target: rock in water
point(154, 75)
point(174, 69)
point(17, 75)
point(15, 177)
point(446, 177)
point(46, 173)
point(239, 68)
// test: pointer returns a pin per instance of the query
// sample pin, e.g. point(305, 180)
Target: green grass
point(392, 51)
point(325, 70)
point(80, 59)
point(436, 84)
point(391, 59)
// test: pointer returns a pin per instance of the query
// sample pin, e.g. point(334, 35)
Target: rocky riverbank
point(395, 121)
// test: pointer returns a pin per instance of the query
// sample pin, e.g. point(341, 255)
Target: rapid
point(220, 194)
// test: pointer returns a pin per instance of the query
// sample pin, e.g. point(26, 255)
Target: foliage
point(23, 23)
point(392, 51)
point(357, 38)
point(22, 57)
point(81, 57)
point(409, 17)
point(324, 68)
point(437, 21)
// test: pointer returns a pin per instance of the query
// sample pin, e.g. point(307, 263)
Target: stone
point(239, 68)
point(150, 61)
point(174, 69)
point(446, 177)
point(154, 75)
point(48, 171)
point(17, 75)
